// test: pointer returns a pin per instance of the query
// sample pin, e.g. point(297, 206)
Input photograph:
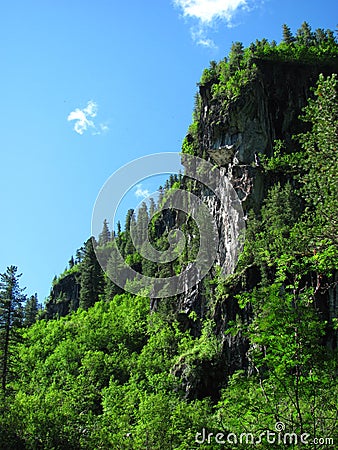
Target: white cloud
point(83, 119)
point(141, 192)
point(208, 10)
point(207, 43)
point(104, 127)
point(207, 13)
point(100, 129)
point(199, 36)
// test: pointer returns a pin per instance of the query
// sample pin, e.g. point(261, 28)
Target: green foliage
point(92, 281)
point(72, 270)
point(319, 166)
point(31, 310)
point(293, 375)
point(306, 46)
point(190, 142)
point(105, 234)
point(287, 35)
point(102, 379)
point(293, 242)
point(227, 79)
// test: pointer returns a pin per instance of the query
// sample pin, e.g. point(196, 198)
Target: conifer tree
point(320, 36)
point(320, 159)
point(152, 207)
point(71, 262)
point(31, 310)
point(304, 35)
point(128, 247)
point(92, 279)
point(287, 35)
point(141, 225)
point(11, 318)
point(113, 269)
point(118, 228)
point(79, 255)
point(105, 234)
point(236, 56)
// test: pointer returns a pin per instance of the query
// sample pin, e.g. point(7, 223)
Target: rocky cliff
point(234, 134)
point(64, 296)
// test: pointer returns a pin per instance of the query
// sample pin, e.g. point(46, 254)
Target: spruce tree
point(287, 35)
point(31, 310)
point(92, 278)
point(79, 255)
point(113, 269)
point(105, 234)
point(152, 207)
point(128, 246)
point(320, 181)
point(118, 228)
point(236, 56)
point(320, 36)
point(304, 35)
point(141, 224)
point(11, 319)
point(71, 262)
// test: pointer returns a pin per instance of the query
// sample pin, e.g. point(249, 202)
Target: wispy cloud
point(104, 127)
point(141, 193)
point(208, 10)
point(100, 129)
point(208, 13)
point(84, 119)
point(199, 36)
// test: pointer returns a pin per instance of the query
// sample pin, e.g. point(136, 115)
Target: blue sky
point(89, 86)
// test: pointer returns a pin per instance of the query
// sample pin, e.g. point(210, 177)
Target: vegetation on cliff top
point(226, 79)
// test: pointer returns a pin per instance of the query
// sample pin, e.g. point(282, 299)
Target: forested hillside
point(244, 361)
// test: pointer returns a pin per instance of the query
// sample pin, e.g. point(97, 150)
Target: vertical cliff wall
point(234, 134)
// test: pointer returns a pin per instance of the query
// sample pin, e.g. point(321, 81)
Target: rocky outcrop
point(233, 135)
point(64, 296)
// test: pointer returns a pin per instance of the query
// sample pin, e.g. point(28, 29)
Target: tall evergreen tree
point(304, 35)
point(79, 255)
point(31, 310)
point(113, 268)
point(141, 225)
point(320, 36)
point(236, 56)
point(128, 246)
point(92, 278)
point(71, 262)
point(152, 207)
point(288, 37)
point(105, 234)
point(11, 318)
point(320, 182)
point(118, 228)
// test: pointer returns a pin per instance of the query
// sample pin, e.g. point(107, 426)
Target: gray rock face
point(233, 136)
point(64, 297)
point(235, 133)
